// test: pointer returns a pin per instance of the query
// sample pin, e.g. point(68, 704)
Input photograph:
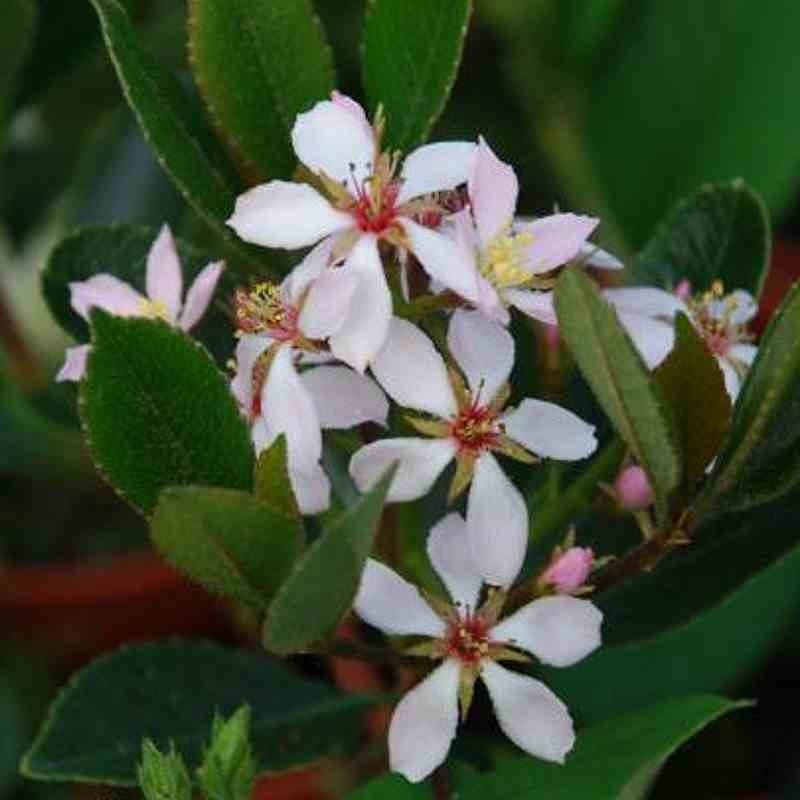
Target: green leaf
point(411, 57)
point(693, 384)
point(760, 459)
point(258, 65)
point(163, 776)
point(272, 485)
point(323, 584)
point(228, 770)
point(619, 380)
point(170, 692)
point(16, 41)
point(227, 541)
point(393, 787)
point(721, 232)
point(609, 758)
point(158, 413)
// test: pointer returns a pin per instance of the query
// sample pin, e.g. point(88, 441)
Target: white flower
point(647, 314)
point(468, 424)
point(364, 202)
point(164, 283)
point(284, 325)
point(558, 630)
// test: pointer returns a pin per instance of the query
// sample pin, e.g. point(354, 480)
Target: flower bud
point(569, 570)
point(633, 489)
point(683, 289)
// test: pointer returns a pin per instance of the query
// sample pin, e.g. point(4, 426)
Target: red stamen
point(468, 639)
point(476, 429)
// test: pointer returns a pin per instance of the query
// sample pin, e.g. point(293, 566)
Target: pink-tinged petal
point(443, 259)
point(419, 464)
point(493, 189)
point(200, 294)
point(393, 605)
point(483, 349)
point(248, 349)
point(288, 215)
point(345, 398)
point(355, 109)
point(568, 572)
point(74, 363)
point(106, 292)
point(653, 339)
point(529, 713)
point(594, 256)
point(647, 301)
point(556, 240)
point(312, 489)
point(308, 270)
point(633, 490)
point(424, 724)
point(436, 168)
point(412, 372)
point(490, 304)
point(327, 305)
point(461, 229)
point(449, 555)
point(363, 332)
point(550, 431)
point(746, 353)
point(331, 138)
point(558, 630)
point(537, 305)
point(164, 277)
point(497, 523)
point(733, 383)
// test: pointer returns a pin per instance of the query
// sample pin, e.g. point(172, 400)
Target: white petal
point(537, 305)
point(199, 295)
point(283, 214)
point(106, 292)
point(248, 349)
point(646, 300)
point(529, 713)
point(483, 349)
point(74, 367)
point(424, 724)
point(490, 304)
point(420, 462)
point(497, 523)
point(732, 381)
point(550, 431)
point(345, 398)
point(557, 239)
point(312, 490)
point(594, 256)
point(327, 305)
point(559, 630)
point(461, 229)
point(412, 372)
point(436, 168)
point(746, 307)
point(653, 339)
point(332, 138)
point(308, 270)
point(493, 190)
point(443, 259)
point(164, 281)
point(449, 554)
point(746, 353)
point(392, 604)
point(364, 331)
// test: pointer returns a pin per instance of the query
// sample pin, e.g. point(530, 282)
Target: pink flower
point(633, 489)
point(569, 570)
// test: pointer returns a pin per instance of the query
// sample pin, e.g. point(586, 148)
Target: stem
point(442, 786)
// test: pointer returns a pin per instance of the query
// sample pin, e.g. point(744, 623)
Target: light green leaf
point(16, 40)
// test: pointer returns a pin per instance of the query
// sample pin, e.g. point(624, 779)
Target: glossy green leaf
point(227, 541)
point(272, 485)
point(323, 584)
point(16, 40)
point(721, 232)
point(258, 65)
point(157, 412)
point(393, 787)
point(619, 380)
point(410, 61)
point(170, 692)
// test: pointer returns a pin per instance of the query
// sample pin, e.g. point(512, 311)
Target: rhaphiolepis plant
point(432, 353)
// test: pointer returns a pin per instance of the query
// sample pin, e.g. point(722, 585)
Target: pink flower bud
point(633, 489)
point(683, 289)
point(552, 338)
point(569, 571)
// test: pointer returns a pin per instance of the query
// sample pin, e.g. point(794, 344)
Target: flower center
point(153, 309)
point(476, 428)
point(262, 310)
point(503, 261)
point(375, 198)
point(468, 639)
point(716, 317)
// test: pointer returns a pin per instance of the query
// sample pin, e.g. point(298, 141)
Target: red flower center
point(468, 639)
point(476, 428)
point(374, 214)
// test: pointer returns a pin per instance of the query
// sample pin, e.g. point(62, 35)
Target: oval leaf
point(272, 485)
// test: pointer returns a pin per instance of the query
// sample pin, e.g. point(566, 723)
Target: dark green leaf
point(320, 590)
point(16, 39)
point(272, 485)
point(720, 232)
point(227, 541)
point(619, 380)
point(258, 65)
point(158, 413)
point(393, 787)
point(170, 692)
point(411, 57)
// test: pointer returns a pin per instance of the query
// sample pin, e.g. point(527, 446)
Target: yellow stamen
point(153, 309)
point(503, 260)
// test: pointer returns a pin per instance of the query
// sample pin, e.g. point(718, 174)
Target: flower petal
point(249, 347)
point(332, 138)
point(557, 239)
point(363, 332)
point(308, 270)
point(164, 279)
point(199, 295)
point(412, 372)
point(559, 630)
point(746, 353)
point(327, 305)
point(493, 190)
point(393, 605)
point(652, 337)
point(284, 214)
point(420, 462)
point(646, 300)
point(490, 304)
point(424, 724)
point(443, 259)
point(312, 489)
point(537, 305)
point(746, 307)
point(733, 382)
point(483, 349)
point(594, 256)
point(449, 555)
point(529, 713)
point(74, 367)
point(345, 398)
point(550, 431)
point(435, 168)
point(497, 523)
point(106, 292)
